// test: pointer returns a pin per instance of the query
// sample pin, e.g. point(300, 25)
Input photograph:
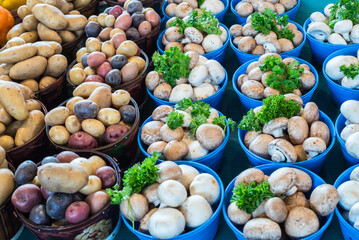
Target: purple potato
point(132, 34)
point(92, 29)
point(137, 18)
point(107, 175)
point(26, 172)
point(118, 61)
point(57, 204)
point(134, 6)
point(39, 216)
point(113, 78)
point(86, 109)
point(128, 113)
point(45, 193)
point(49, 159)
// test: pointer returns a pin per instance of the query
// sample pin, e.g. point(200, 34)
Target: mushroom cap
point(282, 180)
point(260, 211)
point(161, 113)
point(354, 176)
point(279, 8)
point(210, 136)
point(336, 38)
point(332, 69)
point(175, 150)
point(258, 50)
point(175, 44)
point(354, 34)
point(324, 199)
point(162, 91)
point(196, 211)
point(253, 89)
point(327, 9)
point(194, 58)
point(314, 145)
point(216, 71)
point(259, 145)
point(350, 110)
point(166, 223)
point(211, 43)
point(265, 5)
point(276, 209)
point(307, 80)
point(246, 44)
point(139, 206)
point(262, 229)
point(264, 56)
point(188, 174)
point(319, 30)
point(318, 17)
point(298, 199)
point(298, 130)
point(255, 74)
point(301, 154)
point(150, 192)
point(272, 46)
point(144, 222)
point(152, 80)
point(249, 137)
point(172, 193)
point(236, 215)
point(248, 176)
point(198, 75)
point(285, 45)
point(352, 145)
point(248, 30)
point(288, 4)
point(213, 114)
point(321, 130)
point(352, 83)
point(303, 182)
point(167, 134)
point(180, 92)
point(157, 147)
point(282, 150)
point(193, 35)
point(310, 113)
point(206, 186)
point(275, 127)
point(150, 132)
point(301, 222)
point(168, 171)
point(235, 30)
point(298, 38)
point(261, 38)
point(195, 150)
point(348, 194)
point(194, 47)
point(353, 215)
point(183, 9)
point(343, 26)
point(252, 66)
point(244, 9)
point(295, 97)
point(173, 34)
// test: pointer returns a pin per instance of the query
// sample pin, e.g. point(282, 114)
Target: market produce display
point(182, 9)
point(246, 8)
point(6, 177)
point(350, 133)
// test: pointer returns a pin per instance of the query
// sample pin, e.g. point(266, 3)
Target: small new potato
point(82, 140)
point(97, 201)
point(86, 109)
point(67, 36)
point(115, 132)
point(139, 61)
point(127, 48)
point(8, 184)
point(109, 116)
point(96, 163)
point(120, 98)
point(93, 127)
point(66, 156)
point(83, 162)
point(6, 142)
point(33, 104)
point(46, 82)
point(26, 172)
point(77, 76)
point(107, 175)
point(32, 84)
point(93, 45)
point(70, 103)
point(73, 124)
point(59, 135)
point(94, 184)
point(129, 72)
point(80, 53)
point(108, 49)
point(57, 116)
point(56, 65)
point(77, 212)
point(95, 59)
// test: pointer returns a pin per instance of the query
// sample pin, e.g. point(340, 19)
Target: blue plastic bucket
point(339, 126)
point(321, 50)
point(268, 169)
point(249, 103)
point(212, 159)
point(219, 16)
point(291, 13)
point(245, 57)
point(315, 164)
point(339, 93)
point(348, 231)
point(218, 54)
point(206, 231)
point(215, 100)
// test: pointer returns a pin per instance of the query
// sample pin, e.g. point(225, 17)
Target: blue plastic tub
point(219, 16)
point(315, 164)
point(291, 13)
point(339, 126)
point(218, 54)
point(268, 169)
point(206, 231)
point(249, 103)
point(339, 93)
point(348, 231)
point(215, 100)
point(245, 57)
point(321, 50)
point(212, 160)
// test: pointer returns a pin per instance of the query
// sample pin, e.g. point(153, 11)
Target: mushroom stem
point(278, 156)
point(311, 155)
point(291, 191)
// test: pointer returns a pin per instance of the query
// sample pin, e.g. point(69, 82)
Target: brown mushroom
point(265, 5)
point(246, 44)
point(236, 30)
point(268, 91)
point(173, 34)
point(167, 134)
point(305, 66)
point(298, 199)
point(282, 181)
point(175, 150)
point(248, 30)
point(288, 4)
point(264, 78)
point(248, 176)
point(168, 170)
point(297, 92)
point(162, 91)
point(260, 211)
point(244, 9)
point(276, 127)
point(174, 44)
point(157, 147)
point(298, 130)
point(289, 60)
point(262, 38)
point(285, 45)
point(161, 113)
point(307, 80)
point(276, 209)
point(152, 80)
point(252, 89)
point(210, 136)
point(321, 130)
point(303, 181)
point(250, 136)
point(314, 146)
point(150, 132)
point(262, 229)
point(258, 50)
point(324, 199)
point(259, 145)
point(194, 58)
point(295, 97)
point(255, 74)
point(236, 215)
point(279, 8)
point(264, 56)
point(251, 66)
point(298, 38)
point(150, 192)
point(236, 40)
point(282, 151)
point(241, 79)
point(194, 47)
point(301, 155)
point(144, 222)
point(183, 9)
point(301, 222)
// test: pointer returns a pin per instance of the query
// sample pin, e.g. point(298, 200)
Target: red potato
point(82, 140)
point(107, 175)
point(116, 11)
point(77, 212)
point(103, 69)
point(94, 78)
point(26, 197)
point(97, 201)
point(66, 156)
point(153, 18)
point(115, 132)
point(144, 28)
point(95, 59)
point(105, 34)
point(124, 21)
point(117, 39)
point(45, 193)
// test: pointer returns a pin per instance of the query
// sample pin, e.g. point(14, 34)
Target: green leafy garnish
point(200, 2)
point(221, 121)
point(205, 22)
point(175, 120)
point(344, 10)
point(285, 78)
point(273, 107)
point(268, 21)
point(173, 64)
point(351, 72)
point(248, 198)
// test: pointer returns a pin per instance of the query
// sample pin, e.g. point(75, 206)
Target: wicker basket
point(69, 49)
point(108, 215)
point(16, 17)
point(90, 9)
point(149, 43)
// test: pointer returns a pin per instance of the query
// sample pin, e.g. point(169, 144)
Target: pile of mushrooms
point(182, 198)
point(202, 82)
point(297, 139)
point(349, 198)
point(249, 40)
point(343, 32)
point(180, 143)
point(350, 134)
point(291, 214)
point(181, 8)
point(332, 69)
point(192, 39)
point(253, 83)
point(246, 7)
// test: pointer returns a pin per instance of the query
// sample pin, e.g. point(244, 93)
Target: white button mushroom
point(213, 114)
point(354, 215)
point(137, 209)
point(150, 132)
point(282, 181)
point(195, 150)
point(348, 194)
point(211, 43)
point(344, 27)
point(352, 83)
point(318, 17)
point(203, 91)
point(236, 215)
point(150, 193)
point(259, 145)
point(214, 6)
point(187, 118)
point(253, 89)
point(180, 92)
point(206, 186)
point(171, 193)
point(354, 34)
point(319, 30)
point(262, 229)
point(144, 222)
point(272, 46)
point(314, 146)
point(216, 71)
point(194, 47)
point(224, 34)
point(350, 110)
point(166, 223)
point(188, 137)
point(196, 211)
point(324, 199)
point(282, 151)
point(168, 170)
point(321, 130)
point(327, 9)
point(198, 75)
point(235, 30)
point(354, 176)
point(301, 222)
point(188, 174)
point(332, 69)
point(276, 209)
point(336, 38)
point(352, 145)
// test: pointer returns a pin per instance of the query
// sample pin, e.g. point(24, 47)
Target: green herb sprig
point(248, 198)
point(273, 107)
point(221, 121)
point(351, 72)
point(284, 78)
point(175, 120)
point(200, 2)
point(268, 21)
point(344, 10)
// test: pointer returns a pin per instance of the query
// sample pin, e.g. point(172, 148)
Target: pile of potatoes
point(180, 143)
point(7, 178)
point(113, 62)
point(181, 199)
point(49, 20)
point(21, 117)
point(134, 21)
point(93, 117)
point(288, 214)
point(202, 82)
point(65, 189)
point(181, 9)
point(35, 65)
point(246, 8)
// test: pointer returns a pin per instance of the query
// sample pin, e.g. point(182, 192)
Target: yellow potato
point(5, 78)
point(77, 75)
point(32, 3)
point(31, 127)
point(109, 116)
point(101, 96)
point(64, 6)
point(2, 129)
point(28, 69)
point(101, 19)
point(83, 162)
point(5, 117)
point(46, 82)
point(30, 23)
point(93, 127)
point(139, 61)
point(59, 135)
point(76, 22)
point(13, 127)
point(120, 98)
point(50, 16)
point(93, 45)
point(6, 142)
point(36, 181)
point(33, 104)
point(18, 53)
point(7, 180)
point(16, 41)
point(96, 163)
point(70, 103)
point(26, 91)
point(5, 164)
point(74, 12)
point(90, 71)
point(23, 11)
point(30, 37)
point(108, 49)
point(67, 36)
point(93, 18)
point(56, 65)
point(94, 184)
point(12, 100)
point(115, 31)
point(73, 124)
point(5, 68)
point(78, 65)
point(81, 3)
point(85, 89)
point(57, 46)
point(15, 31)
point(80, 53)
point(44, 49)
point(47, 34)
point(57, 116)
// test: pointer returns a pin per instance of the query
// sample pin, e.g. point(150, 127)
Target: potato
point(15, 31)
point(6, 142)
point(18, 53)
point(109, 116)
point(76, 22)
point(13, 127)
point(12, 100)
point(30, 37)
point(5, 117)
point(57, 46)
point(31, 127)
point(108, 49)
point(23, 11)
point(80, 53)
point(7, 180)
point(96, 163)
point(5, 164)
point(83, 162)
point(2, 155)
point(74, 12)
point(44, 49)
point(33, 104)
point(67, 36)
point(81, 3)
point(5, 78)
point(71, 102)
point(64, 6)
point(57, 116)
point(94, 184)
point(55, 177)
point(32, 3)
point(85, 89)
point(102, 97)
point(82, 140)
point(73, 124)
point(2, 128)
point(93, 45)
point(101, 19)
point(77, 75)
point(90, 71)
point(30, 68)
point(56, 65)
point(95, 59)
point(127, 48)
point(59, 134)
point(120, 98)
point(47, 34)
point(115, 31)
point(30, 23)
point(129, 72)
point(93, 127)
point(79, 65)
point(105, 34)
point(139, 61)
point(16, 41)
point(26, 92)
point(50, 16)
point(5, 68)
point(46, 82)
